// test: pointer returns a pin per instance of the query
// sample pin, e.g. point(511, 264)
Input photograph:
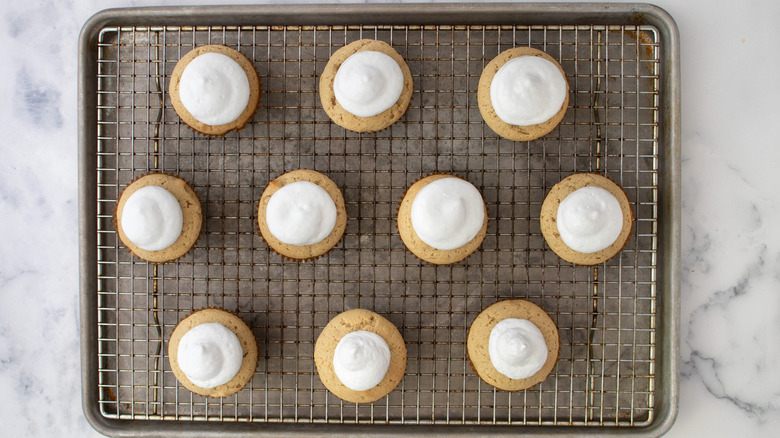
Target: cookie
point(549, 213)
point(413, 241)
point(502, 128)
point(479, 334)
point(352, 321)
point(191, 214)
point(344, 118)
point(303, 252)
point(220, 128)
point(245, 337)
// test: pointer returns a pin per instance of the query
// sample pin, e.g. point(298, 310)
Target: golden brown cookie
point(303, 252)
point(479, 334)
point(421, 249)
point(234, 324)
point(344, 118)
point(506, 130)
point(549, 213)
point(191, 214)
point(352, 321)
point(254, 90)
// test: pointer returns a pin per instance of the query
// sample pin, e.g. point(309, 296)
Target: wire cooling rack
point(606, 315)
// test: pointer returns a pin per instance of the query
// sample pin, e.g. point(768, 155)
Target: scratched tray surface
point(605, 314)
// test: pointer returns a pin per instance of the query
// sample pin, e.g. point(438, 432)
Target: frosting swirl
point(527, 90)
point(214, 89)
point(589, 219)
point(301, 213)
point(447, 213)
point(517, 348)
point(152, 218)
point(361, 360)
point(210, 355)
point(368, 83)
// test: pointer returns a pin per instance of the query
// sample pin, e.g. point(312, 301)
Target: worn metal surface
point(615, 321)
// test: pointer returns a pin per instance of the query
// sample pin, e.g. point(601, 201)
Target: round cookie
point(416, 245)
point(352, 321)
point(234, 324)
point(191, 213)
point(189, 119)
point(479, 333)
point(502, 128)
point(303, 252)
point(549, 213)
point(347, 120)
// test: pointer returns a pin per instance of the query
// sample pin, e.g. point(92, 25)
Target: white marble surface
point(730, 319)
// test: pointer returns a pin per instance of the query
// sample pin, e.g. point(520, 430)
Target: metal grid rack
point(606, 314)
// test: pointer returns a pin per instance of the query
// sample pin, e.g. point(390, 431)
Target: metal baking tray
point(618, 321)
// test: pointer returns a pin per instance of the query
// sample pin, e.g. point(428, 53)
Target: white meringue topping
point(361, 360)
point(210, 355)
point(152, 218)
point(517, 348)
point(214, 88)
point(448, 213)
point(527, 90)
point(368, 83)
point(301, 213)
point(589, 219)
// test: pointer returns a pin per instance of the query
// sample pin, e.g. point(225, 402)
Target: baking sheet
point(611, 318)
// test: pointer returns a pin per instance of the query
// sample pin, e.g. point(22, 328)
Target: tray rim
point(668, 280)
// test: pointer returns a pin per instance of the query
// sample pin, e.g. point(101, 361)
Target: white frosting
point(361, 360)
point(517, 348)
point(301, 213)
point(210, 355)
point(214, 89)
point(527, 90)
point(368, 83)
point(152, 218)
point(448, 213)
point(589, 219)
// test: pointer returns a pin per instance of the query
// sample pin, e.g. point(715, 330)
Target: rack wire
point(605, 314)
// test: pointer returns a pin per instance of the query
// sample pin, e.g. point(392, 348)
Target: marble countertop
point(730, 318)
